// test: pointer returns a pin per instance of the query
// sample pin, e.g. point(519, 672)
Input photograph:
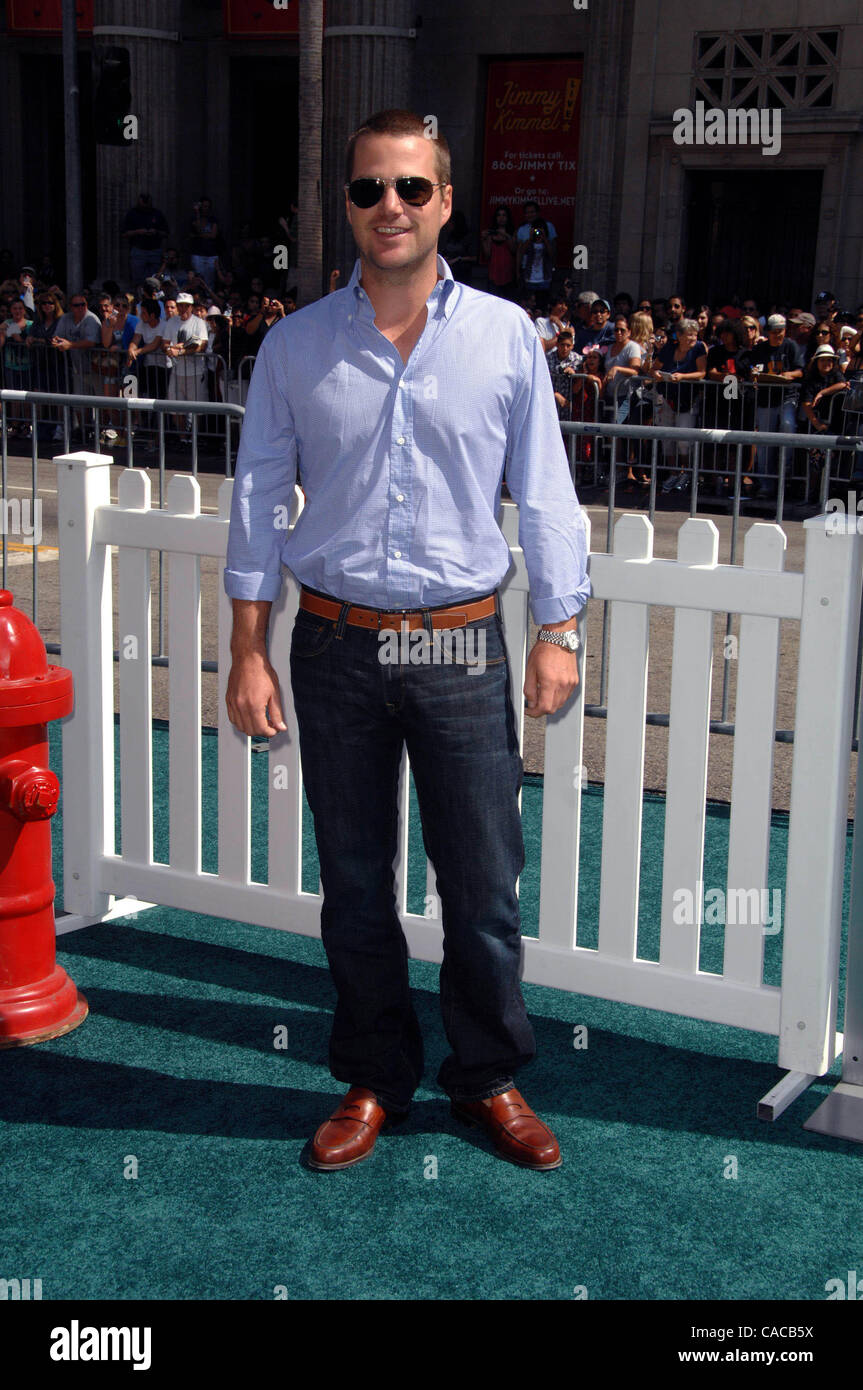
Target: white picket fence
point(825, 599)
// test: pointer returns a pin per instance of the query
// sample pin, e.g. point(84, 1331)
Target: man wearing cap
point(825, 307)
point(775, 364)
point(598, 330)
point(185, 338)
point(801, 325)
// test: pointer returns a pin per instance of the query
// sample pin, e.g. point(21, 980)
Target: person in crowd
point(776, 365)
point(47, 366)
point(549, 327)
point(270, 312)
point(623, 303)
point(144, 229)
point(16, 362)
point(599, 330)
point(171, 310)
point(702, 318)
point(751, 331)
point(585, 393)
point(536, 260)
point(185, 339)
point(171, 268)
point(750, 308)
point(800, 326)
point(530, 214)
point(727, 359)
point(825, 306)
point(118, 329)
point(640, 399)
point(499, 247)
point(79, 331)
point(822, 335)
point(563, 363)
point(641, 332)
point(26, 288)
point(681, 362)
point(676, 314)
point(659, 313)
point(623, 362)
point(660, 338)
point(146, 353)
point(580, 307)
point(457, 247)
point(203, 242)
point(847, 335)
point(821, 397)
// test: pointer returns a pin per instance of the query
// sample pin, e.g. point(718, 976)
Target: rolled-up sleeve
point(551, 529)
point(265, 478)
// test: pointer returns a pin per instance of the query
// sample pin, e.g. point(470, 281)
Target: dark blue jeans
point(354, 713)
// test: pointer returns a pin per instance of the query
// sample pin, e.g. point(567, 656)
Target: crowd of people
point(181, 328)
point(186, 326)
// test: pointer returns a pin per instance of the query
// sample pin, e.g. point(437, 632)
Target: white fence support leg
point(819, 791)
point(86, 630)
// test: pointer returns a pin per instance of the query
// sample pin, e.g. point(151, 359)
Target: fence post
point(819, 789)
point(86, 649)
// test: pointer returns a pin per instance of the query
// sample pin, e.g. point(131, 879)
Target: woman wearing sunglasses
point(401, 399)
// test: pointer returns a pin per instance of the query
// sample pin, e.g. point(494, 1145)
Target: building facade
point(603, 111)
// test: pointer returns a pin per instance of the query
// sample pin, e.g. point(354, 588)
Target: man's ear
point(446, 199)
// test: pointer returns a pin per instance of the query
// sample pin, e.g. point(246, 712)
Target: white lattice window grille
point(767, 67)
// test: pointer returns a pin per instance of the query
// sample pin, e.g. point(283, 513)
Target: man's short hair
point(151, 307)
point(400, 122)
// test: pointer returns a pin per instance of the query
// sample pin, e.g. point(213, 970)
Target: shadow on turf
point(618, 1080)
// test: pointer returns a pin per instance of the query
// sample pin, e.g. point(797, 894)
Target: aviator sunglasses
point(411, 189)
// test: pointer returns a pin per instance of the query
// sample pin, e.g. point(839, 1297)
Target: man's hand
point(253, 688)
point(550, 678)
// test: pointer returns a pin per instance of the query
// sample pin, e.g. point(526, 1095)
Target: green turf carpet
point(175, 1077)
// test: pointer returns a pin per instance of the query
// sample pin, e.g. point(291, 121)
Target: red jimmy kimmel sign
point(46, 16)
point(532, 119)
point(261, 19)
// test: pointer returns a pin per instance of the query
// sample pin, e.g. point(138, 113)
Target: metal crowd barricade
point(90, 410)
point(739, 442)
point(245, 367)
point(581, 394)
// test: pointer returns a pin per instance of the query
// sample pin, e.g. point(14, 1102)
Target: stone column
point(604, 97)
point(364, 72)
point(147, 164)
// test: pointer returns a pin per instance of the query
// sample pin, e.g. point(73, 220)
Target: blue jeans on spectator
point(354, 712)
point(143, 264)
point(779, 418)
point(205, 266)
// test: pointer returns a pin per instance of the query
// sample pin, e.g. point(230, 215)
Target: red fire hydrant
point(37, 998)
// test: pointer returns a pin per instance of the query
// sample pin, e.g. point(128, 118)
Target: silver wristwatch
point(570, 640)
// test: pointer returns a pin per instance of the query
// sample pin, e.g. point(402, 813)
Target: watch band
point(561, 639)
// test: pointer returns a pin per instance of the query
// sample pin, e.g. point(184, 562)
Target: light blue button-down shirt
point(401, 464)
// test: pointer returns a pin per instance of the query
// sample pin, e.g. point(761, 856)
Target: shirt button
point(400, 497)
point(401, 439)
point(397, 554)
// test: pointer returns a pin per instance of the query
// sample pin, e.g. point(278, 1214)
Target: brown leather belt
point(459, 615)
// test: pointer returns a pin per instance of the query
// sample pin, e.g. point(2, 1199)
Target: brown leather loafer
point(518, 1134)
point(349, 1135)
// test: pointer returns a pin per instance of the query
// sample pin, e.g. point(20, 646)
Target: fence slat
point(184, 687)
point(235, 750)
point(752, 767)
point(562, 788)
point(819, 791)
point(624, 755)
point(285, 796)
point(689, 723)
point(136, 705)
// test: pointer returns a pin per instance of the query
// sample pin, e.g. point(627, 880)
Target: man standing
point(144, 229)
point(184, 336)
point(398, 400)
point(776, 364)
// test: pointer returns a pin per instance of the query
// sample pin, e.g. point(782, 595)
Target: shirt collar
point(441, 301)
